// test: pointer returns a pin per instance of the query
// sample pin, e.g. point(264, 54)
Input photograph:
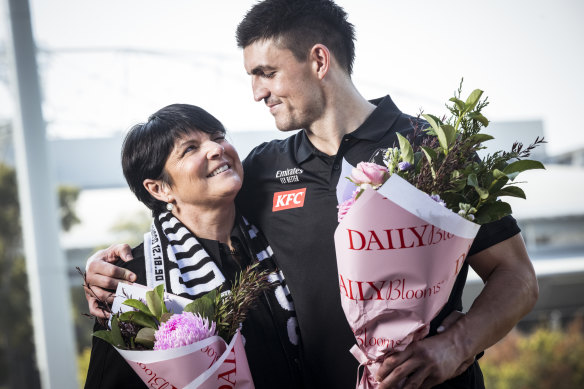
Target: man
point(299, 55)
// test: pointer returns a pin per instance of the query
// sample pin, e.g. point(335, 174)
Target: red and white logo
point(289, 199)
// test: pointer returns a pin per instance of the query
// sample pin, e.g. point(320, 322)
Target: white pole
point(47, 278)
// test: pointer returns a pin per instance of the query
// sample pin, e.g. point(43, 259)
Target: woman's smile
point(219, 170)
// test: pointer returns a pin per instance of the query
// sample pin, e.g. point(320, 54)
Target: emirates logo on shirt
point(289, 199)
point(289, 175)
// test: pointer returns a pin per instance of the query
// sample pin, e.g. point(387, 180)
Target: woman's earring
point(169, 206)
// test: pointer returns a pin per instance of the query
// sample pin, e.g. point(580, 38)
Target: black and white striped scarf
point(174, 257)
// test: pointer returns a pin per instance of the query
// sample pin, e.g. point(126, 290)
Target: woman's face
point(205, 171)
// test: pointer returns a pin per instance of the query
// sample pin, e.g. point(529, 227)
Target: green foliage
point(135, 329)
point(83, 365)
point(448, 165)
point(545, 359)
point(139, 305)
point(83, 324)
point(145, 337)
point(131, 228)
point(206, 305)
point(155, 301)
point(16, 341)
point(232, 308)
point(139, 318)
point(67, 197)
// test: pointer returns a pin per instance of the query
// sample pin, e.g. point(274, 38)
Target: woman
point(180, 165)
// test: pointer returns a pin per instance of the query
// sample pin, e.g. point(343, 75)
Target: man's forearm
point(510, 292)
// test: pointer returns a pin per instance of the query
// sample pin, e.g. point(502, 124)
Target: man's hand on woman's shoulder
point(102, 276)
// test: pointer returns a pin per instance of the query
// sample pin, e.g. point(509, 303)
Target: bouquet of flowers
point(173, 342)
point(405, 227)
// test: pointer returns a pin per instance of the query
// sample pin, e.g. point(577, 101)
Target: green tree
point(67, 197)
point(17, 361)
point(131, 228)
point(544, 359)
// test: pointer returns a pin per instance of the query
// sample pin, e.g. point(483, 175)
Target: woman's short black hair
point(148, 145)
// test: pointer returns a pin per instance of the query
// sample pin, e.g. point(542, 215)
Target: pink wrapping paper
point(207, 364)
point(398, 255)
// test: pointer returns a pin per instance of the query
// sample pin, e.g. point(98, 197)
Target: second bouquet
point(398, 254)
point(173, 342)
point(406, 226)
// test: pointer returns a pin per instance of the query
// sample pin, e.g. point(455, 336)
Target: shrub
point(544, 359)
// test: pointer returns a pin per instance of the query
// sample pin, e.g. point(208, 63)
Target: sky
point(106, 65)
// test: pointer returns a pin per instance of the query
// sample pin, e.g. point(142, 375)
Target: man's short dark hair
point(147, 146)
point(298, 25)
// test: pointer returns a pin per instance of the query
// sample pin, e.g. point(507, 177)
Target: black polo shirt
point(289, 192)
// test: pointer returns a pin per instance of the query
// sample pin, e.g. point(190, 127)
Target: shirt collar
point(303, 146)
point(379, 122)
point(373, 128)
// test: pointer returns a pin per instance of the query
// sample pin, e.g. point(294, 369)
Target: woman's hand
point(102, 276)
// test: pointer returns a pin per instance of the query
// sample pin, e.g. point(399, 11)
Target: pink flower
point(369, 173)
point(182, 330)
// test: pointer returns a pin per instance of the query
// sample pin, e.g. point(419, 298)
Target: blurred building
point(574, 157)
point(509, 132)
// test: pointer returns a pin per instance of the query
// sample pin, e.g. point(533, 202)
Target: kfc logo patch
point(289, 199)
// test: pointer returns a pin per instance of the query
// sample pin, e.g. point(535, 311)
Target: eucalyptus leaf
point(145, 337)
point(452, 198)
point(155, 303)
point(498, 174)
point(418, 156)
point(116, 334)
point(513, 191)
point(458, 185)
point(472, 180)
point(498, 183)
point(430, 156)
point(492, 212)
point(450, 134)
point(480, 118)
point(104, 335)
point(480, 138)
point(159, 290)
point(473, 99)
point(483, 193)
point(139, 305)
point(432, 120)
point(429, 153)
point(204, 306)
point(139, 318)
point(521, 166)
point(407, 153)
point(442, 139)
point(459, 103)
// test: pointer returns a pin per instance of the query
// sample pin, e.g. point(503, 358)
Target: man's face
point(289, 88)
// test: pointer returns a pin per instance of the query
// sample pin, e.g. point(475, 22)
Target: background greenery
point(17, 358)
point(543, 359)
